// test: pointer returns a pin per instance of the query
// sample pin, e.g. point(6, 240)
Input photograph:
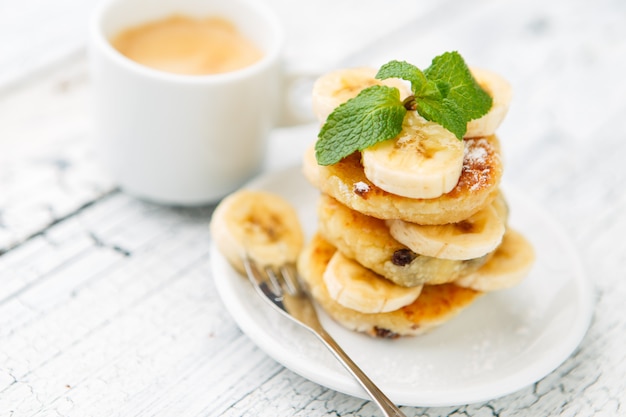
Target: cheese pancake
point(435, 305)
point(477, 187)
point(367, 240)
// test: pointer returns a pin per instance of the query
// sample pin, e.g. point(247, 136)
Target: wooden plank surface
point(107, 303)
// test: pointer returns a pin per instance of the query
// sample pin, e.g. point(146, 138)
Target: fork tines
point(277, 279)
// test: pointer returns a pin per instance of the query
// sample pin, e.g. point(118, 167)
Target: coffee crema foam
point(184, 45)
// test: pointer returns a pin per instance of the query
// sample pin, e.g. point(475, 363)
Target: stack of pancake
point(391, 265)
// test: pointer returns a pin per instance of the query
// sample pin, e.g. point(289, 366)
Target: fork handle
point(383, 402)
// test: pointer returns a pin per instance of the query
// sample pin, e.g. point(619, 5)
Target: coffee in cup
point(186, 45)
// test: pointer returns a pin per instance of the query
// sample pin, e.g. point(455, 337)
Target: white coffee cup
point(183, 139)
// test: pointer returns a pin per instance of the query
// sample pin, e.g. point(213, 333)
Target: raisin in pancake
point(436, 304)
point(477, 187)
point(367, 240)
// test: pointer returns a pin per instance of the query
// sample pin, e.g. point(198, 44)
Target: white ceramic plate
point(505, 341)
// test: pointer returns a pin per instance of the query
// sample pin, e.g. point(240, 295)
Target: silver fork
point(282, 289)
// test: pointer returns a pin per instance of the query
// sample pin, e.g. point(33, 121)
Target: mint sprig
point(444, 93)
point(374, 115)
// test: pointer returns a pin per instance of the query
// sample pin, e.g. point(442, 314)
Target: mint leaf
point(374, 115)
point(421, 86)
point(457, 84)
point(444, 93)
point(446, 113)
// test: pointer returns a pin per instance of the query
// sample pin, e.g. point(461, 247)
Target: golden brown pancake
point(477, 187)
point(367, 240)
point(436, 304)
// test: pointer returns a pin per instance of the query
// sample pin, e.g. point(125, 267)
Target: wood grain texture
point(107, 303)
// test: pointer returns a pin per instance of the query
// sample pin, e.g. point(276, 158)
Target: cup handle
point(296, 101)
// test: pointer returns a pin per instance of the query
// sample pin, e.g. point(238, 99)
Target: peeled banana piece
point(258, 224)
point(508, 266)
point(336, 87)
point(358, 288)
point(501, 94)
point(424, 161)
point(472, 238)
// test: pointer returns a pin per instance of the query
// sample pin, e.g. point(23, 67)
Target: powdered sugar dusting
point(476, 164)
point(361, 187)
point(475, 154)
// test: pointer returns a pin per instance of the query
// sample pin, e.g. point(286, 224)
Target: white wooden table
point(107, 303)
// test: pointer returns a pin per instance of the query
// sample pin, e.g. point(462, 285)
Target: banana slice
point(259, 224)
point(424, 161)
point(472, 238)
point(337, 87)
point(501, 93)
point(509, 265)
point(358, 288)
point(501, 206)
